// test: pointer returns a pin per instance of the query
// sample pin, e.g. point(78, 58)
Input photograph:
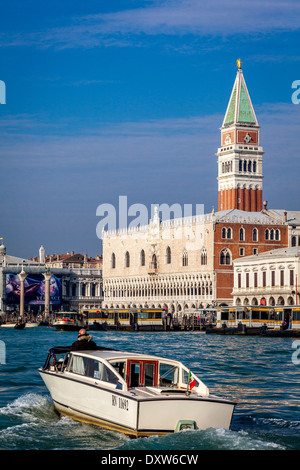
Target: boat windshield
point(168, 375)
point(120, 367)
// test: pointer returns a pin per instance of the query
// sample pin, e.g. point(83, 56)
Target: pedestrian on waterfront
point(84, 342)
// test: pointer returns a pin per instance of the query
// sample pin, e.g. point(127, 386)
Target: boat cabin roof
point(111, 354)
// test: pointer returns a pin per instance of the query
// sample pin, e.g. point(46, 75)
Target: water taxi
point(69, 321)
point(135, 319)
point(136, 394)
point(260, 320)
point(16, 325)
point(31, 324)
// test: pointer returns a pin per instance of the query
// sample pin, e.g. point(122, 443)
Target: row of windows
point(247, 165)
point(270, 234)
point(144, 373)
point(154, 263)
point(92, 368)
point(227, 233)
point(277, 316)
point(74, 289)
point(278, 280)
point(225, 258)
point(244, 165)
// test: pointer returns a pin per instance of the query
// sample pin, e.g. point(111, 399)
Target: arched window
point(223, 232)
point(185, 259)
point(241, 165)
point(242, 234)
point(249, 165)
point(127, 259)
point(245, 165)
point(280, 301)
point(113, 261)
point(204, 256)
point(255, 235)
point(73, 290)
point(225, 256)
point(254, 167)
point(168, 255)
point(154, 261)
point(229, 233)
point(272, 234)
point(272, 301)
point(266, 234)
point(277, 234)
point(142, 257)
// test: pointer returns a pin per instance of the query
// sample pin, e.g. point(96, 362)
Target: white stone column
point(22, 276)
point(47, 277)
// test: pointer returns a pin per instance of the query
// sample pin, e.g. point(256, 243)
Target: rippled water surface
point(258, 373)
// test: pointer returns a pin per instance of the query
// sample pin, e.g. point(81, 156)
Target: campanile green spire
point(240, 174)
point(240, 109)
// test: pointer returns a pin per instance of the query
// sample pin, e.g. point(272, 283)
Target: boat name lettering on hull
point(121, 402)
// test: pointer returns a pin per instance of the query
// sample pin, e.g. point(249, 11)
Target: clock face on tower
point(247, 138)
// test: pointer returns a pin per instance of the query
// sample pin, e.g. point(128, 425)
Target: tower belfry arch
point(240, 155)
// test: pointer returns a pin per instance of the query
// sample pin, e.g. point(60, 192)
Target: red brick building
point(237, 235)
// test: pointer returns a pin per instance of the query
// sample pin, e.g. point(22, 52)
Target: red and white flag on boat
point(192, 382)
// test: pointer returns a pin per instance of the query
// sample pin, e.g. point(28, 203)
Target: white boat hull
point(206, 413)
point(16, 326)
point(67, 326)
point(134, 416)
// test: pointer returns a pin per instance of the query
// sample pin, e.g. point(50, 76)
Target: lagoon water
point(261, 374)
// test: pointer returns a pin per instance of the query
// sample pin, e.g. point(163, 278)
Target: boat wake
point(31, 422)
point(25, 405)
point(209, 439)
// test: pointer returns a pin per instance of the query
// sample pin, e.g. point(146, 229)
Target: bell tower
point(240, 155)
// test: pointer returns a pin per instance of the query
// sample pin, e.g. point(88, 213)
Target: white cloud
point(159, 143)
point(168, 17)
point(32, 143)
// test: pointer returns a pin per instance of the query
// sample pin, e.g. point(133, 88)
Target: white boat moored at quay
point(31, 324)
point(69, 321)
point(16, 325)
point(137, 394)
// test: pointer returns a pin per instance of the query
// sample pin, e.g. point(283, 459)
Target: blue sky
point(108, 98)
